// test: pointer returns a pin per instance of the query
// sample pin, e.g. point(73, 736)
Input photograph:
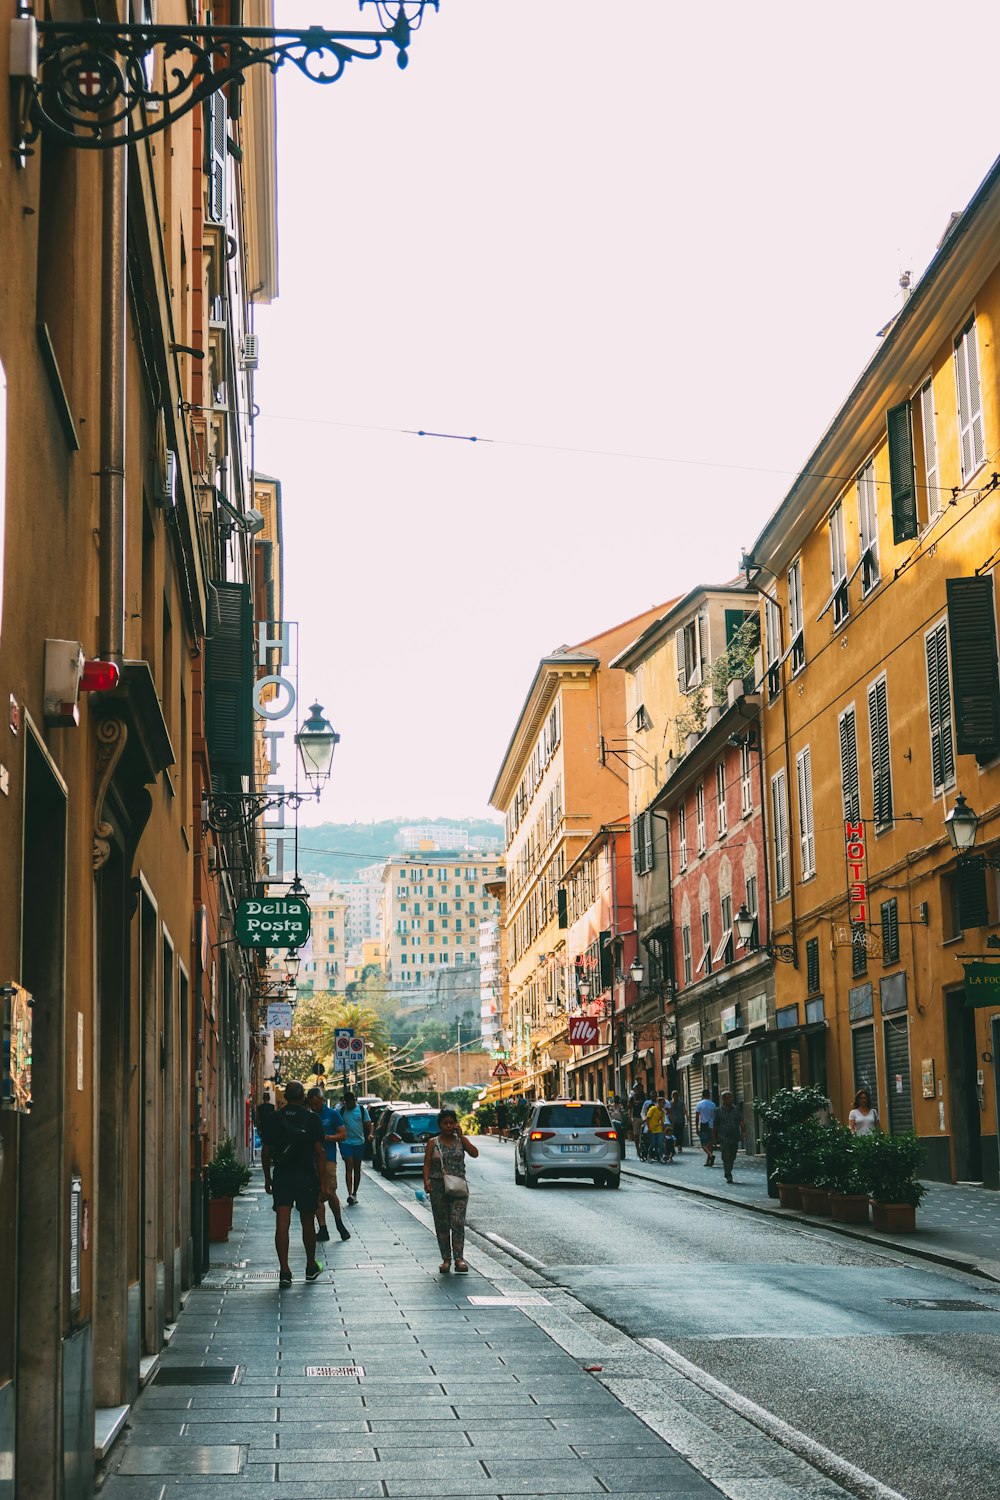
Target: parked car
point(568, 1138)
point(381, 1122)
point(403, 1143)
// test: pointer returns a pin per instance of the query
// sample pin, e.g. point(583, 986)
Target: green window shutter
point(890, 931)
point(901, 481)
point(229, 680)
point(849, 766)
point(607, 969)
point(812, 965)
point(647, 841)
point(939, 708)
point(562, 907)
point(973, 631)
point(973, 907)
point(637, 845)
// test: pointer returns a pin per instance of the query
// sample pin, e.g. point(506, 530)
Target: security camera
point(253, 522)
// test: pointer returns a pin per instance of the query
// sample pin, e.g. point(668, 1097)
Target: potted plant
point(798, 1167)
point(844, 1177)
point(889, 1170)
point(227, 1176)
point(780, 1114)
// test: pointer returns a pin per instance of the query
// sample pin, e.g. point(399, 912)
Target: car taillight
point(394, 1139)
point(541, 1135)
point(608, 1135)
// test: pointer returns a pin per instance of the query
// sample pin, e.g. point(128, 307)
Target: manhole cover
point(941, 1304)
point(327, 1371)
point(196, 1375)
point(510, 1302)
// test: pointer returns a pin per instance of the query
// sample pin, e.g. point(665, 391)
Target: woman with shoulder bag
point(447, 1187)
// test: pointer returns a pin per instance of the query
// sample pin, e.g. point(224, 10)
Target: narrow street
point(892, 1363)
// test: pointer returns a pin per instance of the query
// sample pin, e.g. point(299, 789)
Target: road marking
point(782, 1432)
point(515, 1250)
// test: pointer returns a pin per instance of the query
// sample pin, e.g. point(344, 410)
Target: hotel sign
point(278, 922)
point(857, 872)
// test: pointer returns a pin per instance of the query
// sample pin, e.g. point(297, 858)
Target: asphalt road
point(894, 1366)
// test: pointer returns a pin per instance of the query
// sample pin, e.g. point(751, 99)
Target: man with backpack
point(294, 1162)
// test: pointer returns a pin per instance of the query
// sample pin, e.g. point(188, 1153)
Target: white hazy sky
point(645, 249)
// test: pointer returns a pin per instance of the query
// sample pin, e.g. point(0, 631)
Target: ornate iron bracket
point(101, 85)
point(227, 812)
point(784, 953)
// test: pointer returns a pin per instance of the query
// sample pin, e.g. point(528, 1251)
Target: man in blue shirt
point(359, 1128)
point(704, 1119)
point(334, 1130)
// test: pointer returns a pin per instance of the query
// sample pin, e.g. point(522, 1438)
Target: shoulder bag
point(455, 1186)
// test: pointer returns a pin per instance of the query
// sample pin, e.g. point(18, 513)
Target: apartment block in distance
point(432, 905)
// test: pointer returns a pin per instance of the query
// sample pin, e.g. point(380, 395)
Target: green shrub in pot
point(889, 1165)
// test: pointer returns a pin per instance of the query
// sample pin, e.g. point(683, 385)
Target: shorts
point(705, 1134)
point(330, 1178)
point(352, 1150)
point(301, 1192)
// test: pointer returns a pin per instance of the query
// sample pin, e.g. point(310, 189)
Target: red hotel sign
point(583, 1031)
point(857, 885)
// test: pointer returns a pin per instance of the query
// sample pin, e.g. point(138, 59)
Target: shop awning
point(738, 1041)
point(686, 1059)
point(593, 1055)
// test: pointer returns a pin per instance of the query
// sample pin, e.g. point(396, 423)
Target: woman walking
point(446, 1185)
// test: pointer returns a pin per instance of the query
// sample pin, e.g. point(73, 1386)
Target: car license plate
point(574, 1148)
point(416, 1150)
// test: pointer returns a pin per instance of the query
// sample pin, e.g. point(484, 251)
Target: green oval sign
point(272, 922)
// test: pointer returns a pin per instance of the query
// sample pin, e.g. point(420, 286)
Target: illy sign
point(583, 1031)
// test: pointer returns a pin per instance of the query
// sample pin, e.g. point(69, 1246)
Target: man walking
point(359, 1128)
point(704, 1119)
point(729, 1131)
point(334, 1130)
point(635, 1106)
point(294, 1159)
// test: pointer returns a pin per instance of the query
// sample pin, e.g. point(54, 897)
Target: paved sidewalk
point(421, 1393)
point(957, 1226)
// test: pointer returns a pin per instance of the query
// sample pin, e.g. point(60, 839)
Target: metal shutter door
point(863, 1047)
point(899, 1097)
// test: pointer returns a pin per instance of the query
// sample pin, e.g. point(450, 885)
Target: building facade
point(432, 905)
point(881, 705)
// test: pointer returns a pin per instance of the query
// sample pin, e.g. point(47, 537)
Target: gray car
point(568, 1138)
point(403, 1143)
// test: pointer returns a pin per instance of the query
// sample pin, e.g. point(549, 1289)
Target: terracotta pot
point(894, 1218)
point(220, 1219)
point(849, 1208)
point(816, 1200)
point(789, 1195)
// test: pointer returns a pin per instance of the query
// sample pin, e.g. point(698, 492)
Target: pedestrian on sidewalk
point(334, 1130)
point(669, 1139)
point(617, 1112)
point(293, 1159)
point(446, 1185)
point(654, 1125)
point(678, 1115)
point(352, 1148)
point(637, 1099)
point(704, 1119)
point(863, 1118)
point(729, 1131)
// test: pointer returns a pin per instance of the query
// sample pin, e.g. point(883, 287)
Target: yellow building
point(432, 904)
point(324, 966)
point(557, 787)
point(881, 704)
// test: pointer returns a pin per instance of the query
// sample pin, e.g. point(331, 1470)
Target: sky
point(639, 251)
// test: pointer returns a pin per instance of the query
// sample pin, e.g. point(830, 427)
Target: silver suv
point(568, 1138)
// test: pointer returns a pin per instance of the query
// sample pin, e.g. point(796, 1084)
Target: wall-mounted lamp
point(746, 930)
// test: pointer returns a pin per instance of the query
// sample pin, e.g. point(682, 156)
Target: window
point(772, 632)
point(973, 634)
point(970, 399)
point(746, 779)
point(902, 484)
point(686, 953)
point(868, 528)
point(682, 838)
point(689, 645)
point(699, 815)
point(838, 568)
point(706, 943)
point(849, 781)
point(812, 965)
point(720, 797)
point(807, 838)
point(890, 932)
point(928, 426)
point(796, 634)
point(642, 843)
point(878, 724)
point(779, 808)
point(939, 708)
point(725, 951)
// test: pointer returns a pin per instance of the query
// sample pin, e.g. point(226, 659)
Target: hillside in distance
point(340, 850)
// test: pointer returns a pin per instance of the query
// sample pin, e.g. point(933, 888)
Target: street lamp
point(292, 962)
point(584, 989)
point(636, 971)
point(316, 741)
point(961, 826)
point(746, 929)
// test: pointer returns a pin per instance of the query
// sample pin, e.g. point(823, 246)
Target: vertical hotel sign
point(856, 853)
point(274, 697)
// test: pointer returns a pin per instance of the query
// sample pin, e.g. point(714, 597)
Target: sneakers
point(322, 1233)
point(351, 1202)
point(313, 1271)
point(729, 1176)
point(285, 1278)
point(345, 1234)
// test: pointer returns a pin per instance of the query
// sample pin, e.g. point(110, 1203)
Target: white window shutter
point(807, 838)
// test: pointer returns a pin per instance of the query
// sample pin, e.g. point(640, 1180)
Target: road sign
point(501, 1070)
point(282, 922)
point(279, 1016)
point(583, 1031)
point(356, 1048)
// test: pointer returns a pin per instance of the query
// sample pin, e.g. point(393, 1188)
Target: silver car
point(403, 1143)
point(568, 1138)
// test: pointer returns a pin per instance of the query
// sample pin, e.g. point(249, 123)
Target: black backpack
point(288, 1138)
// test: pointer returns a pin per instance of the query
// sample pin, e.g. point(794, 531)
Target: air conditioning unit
point(250, 357)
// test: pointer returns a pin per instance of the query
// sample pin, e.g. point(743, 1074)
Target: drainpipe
point(788, 803)
point(112, 453)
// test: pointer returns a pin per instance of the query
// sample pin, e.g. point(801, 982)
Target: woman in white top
point(863, 1118)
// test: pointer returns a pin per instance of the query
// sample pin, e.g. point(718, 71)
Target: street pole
point(459, 1050)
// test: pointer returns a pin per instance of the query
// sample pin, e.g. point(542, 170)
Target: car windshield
point(571, 1116)
point(416, 1127)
